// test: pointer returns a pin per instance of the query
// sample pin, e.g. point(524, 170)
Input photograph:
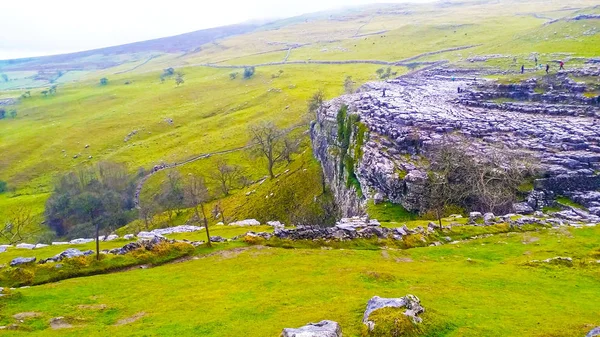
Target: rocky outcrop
point(321, 329)
point(376, 142)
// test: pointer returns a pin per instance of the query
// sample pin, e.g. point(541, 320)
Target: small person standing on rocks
point(547, 68)
point(536, 61)
point(383, 92)
point(562, 65)
point(523, 69)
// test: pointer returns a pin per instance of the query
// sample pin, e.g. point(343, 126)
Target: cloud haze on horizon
point(42, 27)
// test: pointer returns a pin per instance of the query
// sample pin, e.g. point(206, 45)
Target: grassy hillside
point(210, 112)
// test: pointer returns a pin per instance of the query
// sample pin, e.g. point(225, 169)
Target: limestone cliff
point(373, 144)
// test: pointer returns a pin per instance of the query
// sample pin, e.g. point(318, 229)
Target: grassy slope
point(472, 289)
point(211, 112)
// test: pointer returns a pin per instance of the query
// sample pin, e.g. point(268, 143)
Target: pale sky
point(43, 27)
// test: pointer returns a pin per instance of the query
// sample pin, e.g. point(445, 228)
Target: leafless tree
point(219, 211)
point(179, 79)
point(316, 101)
point(268, 141)
point(196, 196)
point(146, 213)
point(17, 226)
point(226, 175)
point(171, 194)
point(349, 85)
point(291, 145)
point(487, 182)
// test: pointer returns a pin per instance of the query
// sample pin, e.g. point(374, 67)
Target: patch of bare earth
point(131, 319)
point(57, 323)
point(231, 253)
point(91, 306)
point(25, 315)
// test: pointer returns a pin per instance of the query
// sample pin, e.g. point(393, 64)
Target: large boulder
point(594, 333)
point(321, 329)
point(25, 246)
point(410, 302)
point(21, 261)
point(2, 249)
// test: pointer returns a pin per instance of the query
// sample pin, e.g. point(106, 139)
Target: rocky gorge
point(374, 144)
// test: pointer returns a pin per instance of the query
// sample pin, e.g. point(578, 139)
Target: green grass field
point(477, 288)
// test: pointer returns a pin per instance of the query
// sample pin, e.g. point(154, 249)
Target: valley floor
point(483, 287)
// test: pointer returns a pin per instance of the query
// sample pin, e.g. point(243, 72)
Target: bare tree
point(219, 211)
point(291, 145)
point(448, 180)
point(349, 85)
point(226, 175)
point(268, 141)
point(488, 182)
point(16, 227)
point(496, 181)
point(316, 101)
point(196, 196)
point(179, 79)
point(146, 214)
point(171, 195)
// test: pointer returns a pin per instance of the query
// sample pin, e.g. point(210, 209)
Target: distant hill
point(86, 59)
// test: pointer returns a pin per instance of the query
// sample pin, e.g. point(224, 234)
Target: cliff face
point(374, 144)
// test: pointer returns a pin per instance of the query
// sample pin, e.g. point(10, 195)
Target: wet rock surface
point(550, 120)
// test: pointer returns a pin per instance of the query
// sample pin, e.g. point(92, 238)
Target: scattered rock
point(25, 246)
point(40, 245)
point(60, 243)
point(475, 216)
point(410, 302)
point(80, 241)
point(217, 239)
point(21, 261)
point(128, 236)
point(247, 222)
point(67, 254)
point(321, 329)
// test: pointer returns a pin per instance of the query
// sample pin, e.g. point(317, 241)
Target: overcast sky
point(43, 27)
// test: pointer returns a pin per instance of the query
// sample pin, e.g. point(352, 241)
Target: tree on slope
point(91, 200)
point(226, 175)
point(268, 142)
point(196, 196)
